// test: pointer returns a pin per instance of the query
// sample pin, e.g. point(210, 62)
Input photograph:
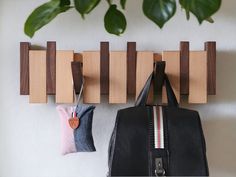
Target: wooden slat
point(64, 82)
point(77, 75)
point(210, 48)
point(91, 72)
point(184, 68)
point(198, 77)
point(118, 78)
point(172, 59)
point(37, 76)
point(104, 56)
point(143, 71)
point(131, 67)
point(51, 68)
point(24, 68)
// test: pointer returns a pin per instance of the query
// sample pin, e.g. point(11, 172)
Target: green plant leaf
point(85, 6)
point(159, 11)
point(122, 3)
point(42, 16)
point(64, 3)
point(210, 20)
point(202, 9)
point(114, 20)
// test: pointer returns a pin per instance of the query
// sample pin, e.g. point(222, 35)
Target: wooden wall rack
point(114, 73)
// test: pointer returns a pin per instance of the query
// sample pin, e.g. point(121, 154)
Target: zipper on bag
point(159, 138)
point(158, 143)
point(159, 171)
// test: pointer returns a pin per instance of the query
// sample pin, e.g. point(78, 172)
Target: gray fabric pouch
point(83, 135)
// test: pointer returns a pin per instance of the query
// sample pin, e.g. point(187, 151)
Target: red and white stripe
point(158, 127)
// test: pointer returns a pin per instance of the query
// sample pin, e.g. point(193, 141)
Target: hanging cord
point(76, 102)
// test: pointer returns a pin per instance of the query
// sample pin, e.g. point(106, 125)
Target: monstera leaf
point(114, 20)
point(159, 11)
point(202, 9)
point(43, 15)
point(122, 3)
point(65, 3)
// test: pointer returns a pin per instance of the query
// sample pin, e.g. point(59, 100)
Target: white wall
point(30, 134)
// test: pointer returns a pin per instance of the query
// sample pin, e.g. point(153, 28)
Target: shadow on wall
point(225, 82)
point(219, 118)
point(225, 77)
point(221, 142)
point(227, 10)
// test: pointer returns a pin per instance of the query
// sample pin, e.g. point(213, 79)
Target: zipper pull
point(159, 171)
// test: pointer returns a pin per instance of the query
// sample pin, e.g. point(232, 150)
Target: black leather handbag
point(157, 140)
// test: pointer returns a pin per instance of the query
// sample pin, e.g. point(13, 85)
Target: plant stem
point(109, 2)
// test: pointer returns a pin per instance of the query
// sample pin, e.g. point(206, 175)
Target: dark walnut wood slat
point(210, 48)
point(51, 68)
point(184, 67)
point(131, 67)
point(76, 67)
point(104, 67)
point(24, 68)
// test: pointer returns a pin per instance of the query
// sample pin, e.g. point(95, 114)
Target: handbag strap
point(161, 79)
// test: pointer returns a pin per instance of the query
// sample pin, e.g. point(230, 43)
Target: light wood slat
point(172, 59)
point(91, 72)
point(198, 77)
point(64, 80)
point(37, 76)
point(118, 77)
point(144, 69)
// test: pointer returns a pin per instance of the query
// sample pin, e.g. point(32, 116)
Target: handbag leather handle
point(161, 78)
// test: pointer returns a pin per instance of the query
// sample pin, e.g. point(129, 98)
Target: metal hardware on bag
point(74, 121)
point(159, 171)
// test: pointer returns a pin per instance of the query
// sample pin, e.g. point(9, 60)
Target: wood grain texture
point(118, 77)
point(64, 81)
point(184, 68)
point(210, 48)
point(131, 67)
point(172, 59)
point(37, 76)
point(145, 65)
point(77, 75)
point(24, 68)
point(51, 68)
point(91, 73)
point(104, 56)
point(198, 77)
